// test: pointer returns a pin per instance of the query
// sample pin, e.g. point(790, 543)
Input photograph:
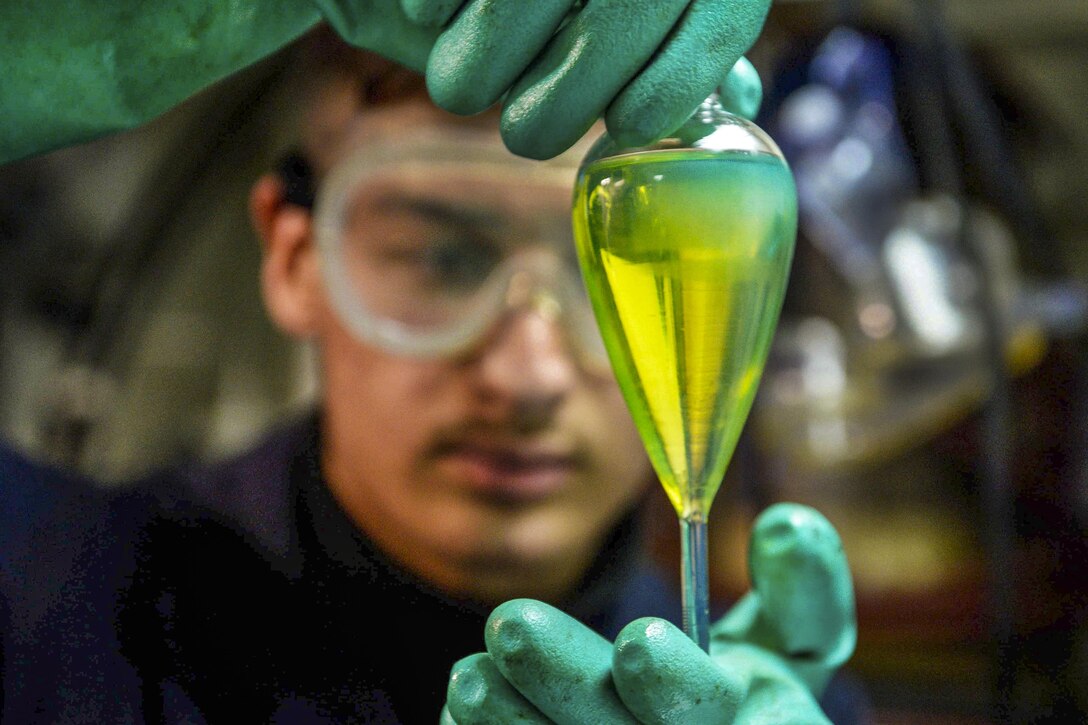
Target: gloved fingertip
point(630, 136)
point(663, 677)
point(639, 644)
point(478, 693)
point(789, 528)
point(793, 549)
point(513, 626)
point(741, 92)
point(524, 138)
point(450, 94)
point(633, 120)
point(468, 681)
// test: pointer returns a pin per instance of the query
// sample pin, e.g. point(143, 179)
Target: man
point(471, 446)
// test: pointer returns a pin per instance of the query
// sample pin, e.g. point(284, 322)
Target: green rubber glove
point(560, 65)
point(74, 70)
point(770, 657)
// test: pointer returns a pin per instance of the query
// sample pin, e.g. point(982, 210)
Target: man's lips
point(508, 473)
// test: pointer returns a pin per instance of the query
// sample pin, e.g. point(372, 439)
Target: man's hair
point(324, 61)
point(324, 56)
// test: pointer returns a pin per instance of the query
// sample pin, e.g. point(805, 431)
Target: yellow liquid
point(686, 255)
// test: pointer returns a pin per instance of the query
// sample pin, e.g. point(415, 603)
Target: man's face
point(496, 469)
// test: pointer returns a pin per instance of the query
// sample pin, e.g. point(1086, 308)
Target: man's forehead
point(338, 128)
point(502, 194)
point(391, 124)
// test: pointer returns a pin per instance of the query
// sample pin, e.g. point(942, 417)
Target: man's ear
point(290, 270)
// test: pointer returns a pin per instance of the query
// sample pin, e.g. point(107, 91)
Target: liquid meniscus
point(686, 256)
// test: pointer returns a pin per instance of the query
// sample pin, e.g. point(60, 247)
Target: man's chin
point(522, 537)
point(535, 561)
point(492, 586)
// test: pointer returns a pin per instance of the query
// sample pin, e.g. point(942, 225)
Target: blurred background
point(928, 389)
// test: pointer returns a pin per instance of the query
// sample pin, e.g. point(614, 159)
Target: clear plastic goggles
point(427, 244)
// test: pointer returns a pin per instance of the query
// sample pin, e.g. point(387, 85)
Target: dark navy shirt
point(243, 593)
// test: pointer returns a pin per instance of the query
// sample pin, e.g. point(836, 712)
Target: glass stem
point(710, 109)
point(693, 580)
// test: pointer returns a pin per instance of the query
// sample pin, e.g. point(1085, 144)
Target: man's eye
point(459, 263)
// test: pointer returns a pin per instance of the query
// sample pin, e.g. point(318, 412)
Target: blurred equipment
point(133, 334)
point(911, 316)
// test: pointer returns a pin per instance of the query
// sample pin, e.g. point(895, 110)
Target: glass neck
point(710, 110)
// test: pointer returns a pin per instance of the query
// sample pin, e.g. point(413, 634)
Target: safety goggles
point(428, 243)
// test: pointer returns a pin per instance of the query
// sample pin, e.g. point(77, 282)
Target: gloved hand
point(91, 68)
point(770, 657)
point(561, 64)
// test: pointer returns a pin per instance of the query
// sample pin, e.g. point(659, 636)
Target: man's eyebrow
point(438, 210)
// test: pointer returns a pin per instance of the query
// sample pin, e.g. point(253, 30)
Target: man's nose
point(527, 362)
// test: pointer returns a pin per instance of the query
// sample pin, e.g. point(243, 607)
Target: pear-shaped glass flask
point(685, 246)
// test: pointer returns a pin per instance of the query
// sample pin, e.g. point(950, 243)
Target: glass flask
point(685, 246)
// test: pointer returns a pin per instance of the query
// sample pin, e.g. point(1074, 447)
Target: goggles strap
point(298, 179)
